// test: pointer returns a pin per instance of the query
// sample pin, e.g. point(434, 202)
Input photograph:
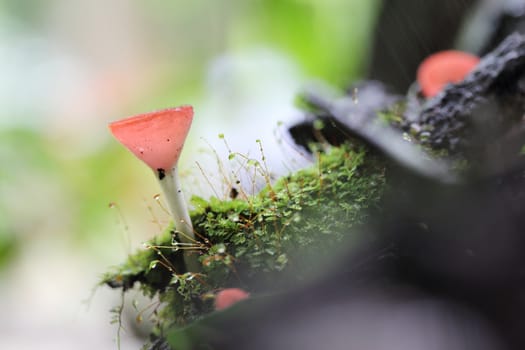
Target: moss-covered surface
point(281, 235)
point(259, 242)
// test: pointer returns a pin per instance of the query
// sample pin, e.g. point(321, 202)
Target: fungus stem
point(170, 184)
point(157, 139)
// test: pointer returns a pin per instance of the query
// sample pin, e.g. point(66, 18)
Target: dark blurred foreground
point(443, 265)
point(443, 269)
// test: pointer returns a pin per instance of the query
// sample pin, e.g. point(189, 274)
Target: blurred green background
point(68, 67)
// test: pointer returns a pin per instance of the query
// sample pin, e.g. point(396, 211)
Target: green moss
point(285, 230)
point(395, 115)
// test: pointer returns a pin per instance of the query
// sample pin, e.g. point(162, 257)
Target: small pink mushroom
point(227, 297)
point(443, 68)
point(157, 139)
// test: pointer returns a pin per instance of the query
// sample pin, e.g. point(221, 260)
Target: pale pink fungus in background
point(443, 68)
point(227, 297)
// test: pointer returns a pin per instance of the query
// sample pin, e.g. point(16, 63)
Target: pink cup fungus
point(157, 138)
point(442, 68)
point(227, 297)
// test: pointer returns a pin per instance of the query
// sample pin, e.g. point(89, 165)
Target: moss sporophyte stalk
point(268, 240)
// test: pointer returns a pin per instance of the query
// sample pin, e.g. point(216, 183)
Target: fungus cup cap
point(227, 297)
point(442, 68)
point(156, 138)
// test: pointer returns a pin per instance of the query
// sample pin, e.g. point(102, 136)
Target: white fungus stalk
point(170, 185)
